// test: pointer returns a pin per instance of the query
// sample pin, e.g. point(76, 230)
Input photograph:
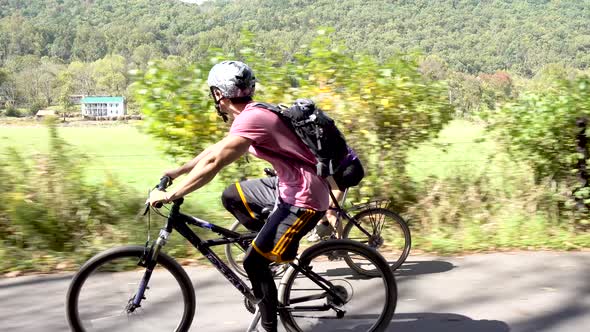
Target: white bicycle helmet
point(233, 78)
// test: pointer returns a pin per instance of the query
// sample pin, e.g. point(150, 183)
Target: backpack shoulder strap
point(271, 107)
point(280, 111)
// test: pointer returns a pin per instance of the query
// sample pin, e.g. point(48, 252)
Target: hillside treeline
point(472, 36)
point(55, 48)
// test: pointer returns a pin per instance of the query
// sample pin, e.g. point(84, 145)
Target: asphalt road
point(501, 292)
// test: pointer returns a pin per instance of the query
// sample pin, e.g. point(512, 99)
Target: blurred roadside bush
point(383, 108)
point(50, 214)
point(540, 128)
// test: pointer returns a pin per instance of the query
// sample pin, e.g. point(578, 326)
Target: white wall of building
point(103, 109)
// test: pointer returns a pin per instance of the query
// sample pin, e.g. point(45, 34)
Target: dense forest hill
point(471, 36)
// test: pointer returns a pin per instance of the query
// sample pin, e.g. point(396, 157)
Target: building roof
point(92, 100)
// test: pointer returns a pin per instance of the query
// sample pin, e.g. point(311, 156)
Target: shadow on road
point(443, 322)
point(423, 322)
point(412, 268)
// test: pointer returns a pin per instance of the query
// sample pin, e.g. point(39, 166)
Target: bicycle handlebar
point(165, 182)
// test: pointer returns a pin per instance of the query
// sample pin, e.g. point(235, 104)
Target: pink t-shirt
point(273, 141)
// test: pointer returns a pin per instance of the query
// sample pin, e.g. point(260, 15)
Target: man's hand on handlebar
point(159, 195)
point(157, 198)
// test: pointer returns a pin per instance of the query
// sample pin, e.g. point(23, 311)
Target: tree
point(82, 74)
point(48, 72)
point(8, 91)
point(143, 54)
point(18, 36)
point(471, 36)
point(89, 44)
point(66, 83)
point(109, 73)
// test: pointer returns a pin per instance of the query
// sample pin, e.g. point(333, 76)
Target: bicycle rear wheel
point(387, 232)
point(334, 297)
point(100, 293)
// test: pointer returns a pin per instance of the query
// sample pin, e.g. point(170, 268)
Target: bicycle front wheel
point(101, 293)
point(383, 230)
point(324, 294)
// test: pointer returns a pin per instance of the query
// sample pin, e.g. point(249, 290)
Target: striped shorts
point(278, 238)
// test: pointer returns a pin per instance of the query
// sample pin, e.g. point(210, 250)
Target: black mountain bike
point(373, 224)
point(133, 288)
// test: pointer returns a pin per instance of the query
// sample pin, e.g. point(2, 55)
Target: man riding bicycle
point(298, 197)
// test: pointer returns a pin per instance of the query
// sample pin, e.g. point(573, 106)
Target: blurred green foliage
point(49, 208)
point(506, 63)
point(540, 128)
point(383, 108)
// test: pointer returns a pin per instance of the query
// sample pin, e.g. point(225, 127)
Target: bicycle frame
point(341, 212)
point(179, 222)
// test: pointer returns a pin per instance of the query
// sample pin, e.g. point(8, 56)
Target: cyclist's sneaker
point(313, 236)
point(321, 231)
point(324, 230)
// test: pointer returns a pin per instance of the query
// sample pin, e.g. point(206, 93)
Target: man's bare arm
point(221, 154)
point(175, 173)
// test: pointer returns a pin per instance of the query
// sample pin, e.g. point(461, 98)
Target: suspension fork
point(149, 261)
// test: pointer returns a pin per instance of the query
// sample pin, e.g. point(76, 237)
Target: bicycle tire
point(286, 285)
point(367, 215)
point(231, 260)
point(103, 258)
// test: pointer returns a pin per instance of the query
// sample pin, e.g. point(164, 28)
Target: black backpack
point(317, 130)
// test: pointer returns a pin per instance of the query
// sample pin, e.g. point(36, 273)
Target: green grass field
point(135, 158)
point(120, 150)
